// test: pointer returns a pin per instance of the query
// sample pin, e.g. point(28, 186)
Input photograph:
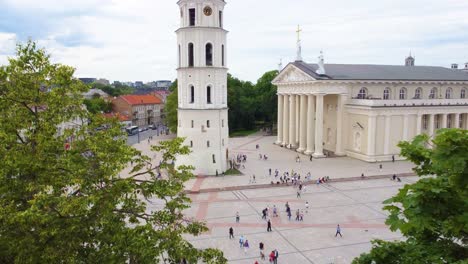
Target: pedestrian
point(253, 179)
point(338, 231)
point(398, 179)
point(262, 254)
point(246, 246)
point(272, 256)
point(231, 233)
point(380, 167)
point(298, 194)
point(269, 226)
point(269, 170)
point(301, 216)
point(275, 211)
point(393, 158)
point(276, 257)
point(297, 215)
point(362, 175)
point(394, 177)
point(264, 213)
point(310, 158)
point(237, 217)
point(241, 241)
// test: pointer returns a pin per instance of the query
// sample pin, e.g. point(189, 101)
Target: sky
point(134, 40)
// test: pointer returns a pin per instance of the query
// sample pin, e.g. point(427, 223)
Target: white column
point(444, 121)
point(292, 121)
point(319, 127)
point(303, 125)
point(419, 124)
point(339, 124)
point(388, 118)
point(465, 120)
point(371, 123)
point(405, 127)
point(279, 125)
point(310, 124)
point(285, 120)
point(298, 123)
point(430, 129)
point(456, 120)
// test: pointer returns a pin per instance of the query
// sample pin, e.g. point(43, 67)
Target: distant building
point(87, 80)
point(161, 95)
point(125, 120)
point(139, 84)
point(103, 81)
point(92, 92)
point(143, 109)
point(163, 85)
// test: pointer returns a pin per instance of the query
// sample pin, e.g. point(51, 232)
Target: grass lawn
point(233, 172)
point(242, 133)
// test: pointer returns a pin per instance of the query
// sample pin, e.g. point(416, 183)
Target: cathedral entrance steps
point(236, 189)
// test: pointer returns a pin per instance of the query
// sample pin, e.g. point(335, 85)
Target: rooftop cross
point(298, 31)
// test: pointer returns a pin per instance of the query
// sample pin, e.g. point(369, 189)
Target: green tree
point(98, 105)
point(432, 214)
point(116, 91)
point(267, 100)
point(66, 202)
point(171, 108)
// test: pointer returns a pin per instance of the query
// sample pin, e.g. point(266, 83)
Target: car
point(142, 129)
point(152, 127)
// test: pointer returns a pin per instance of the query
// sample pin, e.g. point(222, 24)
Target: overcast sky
point(134, 40)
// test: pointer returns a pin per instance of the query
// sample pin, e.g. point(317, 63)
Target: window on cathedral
point(192, 17)
point(208, 143)
point(208, 94)
point(209, 54)
point(214, 158)
point(386, 94)
point(362, 93)
point(448, 93)
point(222, 55)
point(433, 93)
point(190, 55)
point(192, 124)
point(208, 123)
point(417, 93)
point(192, 94)
point(220, 19)
point(179, 56)
point(463, 93)
point(402, 93)
point(425, 122)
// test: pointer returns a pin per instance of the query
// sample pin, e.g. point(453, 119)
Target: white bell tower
point(202, 85)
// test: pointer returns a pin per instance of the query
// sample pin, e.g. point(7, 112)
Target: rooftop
point(141, 99)
point(382, 72)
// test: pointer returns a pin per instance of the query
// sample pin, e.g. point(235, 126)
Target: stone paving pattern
point(356, 205)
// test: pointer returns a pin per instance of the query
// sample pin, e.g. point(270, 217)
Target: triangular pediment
point(291, 74)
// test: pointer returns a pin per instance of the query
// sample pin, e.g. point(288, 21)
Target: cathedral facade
point(363, 111)
point(202, 85)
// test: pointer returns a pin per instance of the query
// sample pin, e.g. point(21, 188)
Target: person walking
point(237, 217)
point(262, 254)
point(289, 215)
point(297, 215)
point(253, 179)
point(269, 226)
point(269, 170)
point(298, 194)
point(231, 233)
point(393, 158)
point(241, 241)
point(246, 246)
point(338, 231)
point(276, 256)
point(272, 256)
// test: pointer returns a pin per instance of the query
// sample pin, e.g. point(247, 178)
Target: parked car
point(152, 127)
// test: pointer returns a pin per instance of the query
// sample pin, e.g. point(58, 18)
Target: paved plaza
point(356, 205)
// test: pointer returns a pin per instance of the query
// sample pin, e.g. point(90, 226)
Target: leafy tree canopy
point(98, 105)
point(62, 198)
point(432, 214)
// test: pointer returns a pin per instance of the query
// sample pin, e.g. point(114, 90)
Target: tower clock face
point(207, 10)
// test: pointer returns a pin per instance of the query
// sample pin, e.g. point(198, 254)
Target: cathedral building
point(363, 111)
point(202, 85)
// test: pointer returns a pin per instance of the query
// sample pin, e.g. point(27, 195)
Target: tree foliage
point(432, 214)
point(69, 204)
point(115, 91)
point(97, 105)
point(248, 104)
point(171, 107)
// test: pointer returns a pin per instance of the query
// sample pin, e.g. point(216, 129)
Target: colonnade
point(300, 123)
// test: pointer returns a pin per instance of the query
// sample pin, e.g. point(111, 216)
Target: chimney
point(454, 66)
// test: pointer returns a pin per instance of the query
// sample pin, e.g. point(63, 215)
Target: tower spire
point(299, 48)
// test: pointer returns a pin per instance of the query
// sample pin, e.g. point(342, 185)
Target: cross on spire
point(299, 48)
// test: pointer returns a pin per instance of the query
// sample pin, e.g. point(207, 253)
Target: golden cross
point(298, 31)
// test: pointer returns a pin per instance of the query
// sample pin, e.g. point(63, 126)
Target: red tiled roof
point(141, 99)
point(121, 117)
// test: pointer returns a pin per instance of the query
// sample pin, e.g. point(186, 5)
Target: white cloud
point(135, 40)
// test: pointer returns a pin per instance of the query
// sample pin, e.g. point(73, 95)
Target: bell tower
point(202, 85)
